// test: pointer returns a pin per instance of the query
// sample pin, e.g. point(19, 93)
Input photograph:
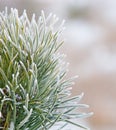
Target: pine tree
point(34, 93)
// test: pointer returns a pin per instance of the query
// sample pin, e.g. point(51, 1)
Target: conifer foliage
point(34, 94)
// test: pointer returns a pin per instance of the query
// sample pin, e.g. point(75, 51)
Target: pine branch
point(34, 93)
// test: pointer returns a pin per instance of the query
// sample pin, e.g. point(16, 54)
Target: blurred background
point(90, 45)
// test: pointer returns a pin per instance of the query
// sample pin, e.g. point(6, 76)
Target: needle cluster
point(34, 94)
